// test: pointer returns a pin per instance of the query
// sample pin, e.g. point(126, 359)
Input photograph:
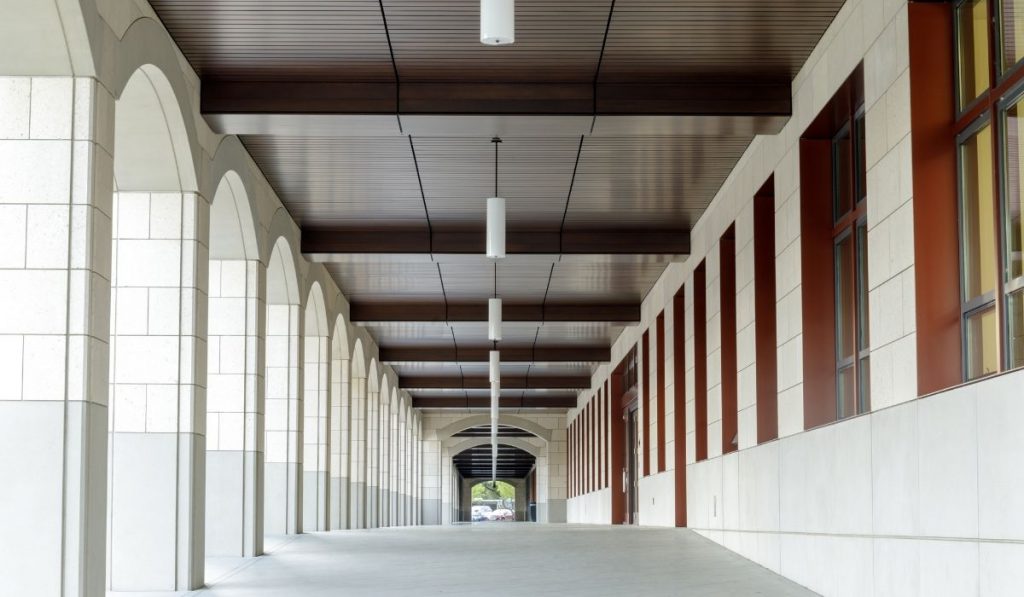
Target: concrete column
point(234, 417)
point(283, 422)
point(158, 378)
point(395, 445)
point(403, 471)
point(56, 181)
point(341, 437)
point(315, 431)
point(372, 458)
point(357, 493)
point(384, 473)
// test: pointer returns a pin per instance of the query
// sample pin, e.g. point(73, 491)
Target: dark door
point(632, 461)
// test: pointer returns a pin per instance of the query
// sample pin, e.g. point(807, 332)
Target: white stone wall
point(62, 78)
point(919, 497)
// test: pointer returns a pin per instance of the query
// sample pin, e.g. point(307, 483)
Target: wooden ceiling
point(373, 120)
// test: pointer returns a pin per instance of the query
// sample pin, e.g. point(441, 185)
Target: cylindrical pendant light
point(495, 367)
point(494, 319)
point(497, 22)
point(496, 227)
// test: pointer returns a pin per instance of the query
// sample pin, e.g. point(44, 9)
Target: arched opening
point(315, 417)
point(158, 296)
point(341, 426)
point(234, 386)
point(283, 459)
point(492, 501)
point(357, 474)
point(518, 454)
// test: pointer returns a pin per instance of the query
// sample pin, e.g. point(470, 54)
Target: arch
point(235, 402)
point(340, 426)
point(316, 414)
point(46, 38)
point(282, 455)
point(282, 280)
point(154, 144)
point(359, 368)
point(515, 442)
point(158, 223)
point(503, 419)
point(232, 229)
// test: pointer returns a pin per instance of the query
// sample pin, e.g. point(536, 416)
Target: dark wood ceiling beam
point(230, 105)
point(375, 313)
point(508, 382)
point(509, 354)
point(566, 401)
point(321, 244)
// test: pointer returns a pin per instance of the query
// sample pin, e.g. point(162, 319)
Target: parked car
point(480, 513)
point(502, 514)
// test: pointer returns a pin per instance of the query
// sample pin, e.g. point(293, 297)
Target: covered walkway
point(498, 559)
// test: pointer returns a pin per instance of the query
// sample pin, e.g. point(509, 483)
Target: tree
point(499, 491)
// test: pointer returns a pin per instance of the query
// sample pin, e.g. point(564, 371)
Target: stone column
point(234, 416)
point(56, 181)
point(341, 437)
point(315, 433)
point(357, 493)
point(283, 422)
point(158, 378)
point(372, 458)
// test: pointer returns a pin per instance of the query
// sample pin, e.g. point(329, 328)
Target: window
point(990, 48)
point(764, 313)
point(833, 234)
point(849, 213)
point(700, 362)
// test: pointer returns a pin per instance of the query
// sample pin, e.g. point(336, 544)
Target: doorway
point(632, 447)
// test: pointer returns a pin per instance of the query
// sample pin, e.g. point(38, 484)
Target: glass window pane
point(982, 343)
point(1012, 23)
point(1013, 158)
point(977, 215)
point(863, 331)
point(972, 46)
point(842, 174)
point(846, 394)
point(860, 152)
point(845, 301)
point(1015, 328)
point(864, 384)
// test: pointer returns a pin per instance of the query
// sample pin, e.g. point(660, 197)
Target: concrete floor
point(493, 560)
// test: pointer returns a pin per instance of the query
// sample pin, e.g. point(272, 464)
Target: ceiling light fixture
point(495, 367)
point(494, 319)
point(497, 22)
point(496, 215)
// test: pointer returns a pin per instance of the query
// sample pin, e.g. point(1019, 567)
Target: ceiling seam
point(426, 213)
point(394, 66)
point(568, 198)
point(600, 61)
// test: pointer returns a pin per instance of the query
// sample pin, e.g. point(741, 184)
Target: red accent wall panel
point(679, 402)
point(700, 361)
point(645, 350)
point(727, 285)
point(766, 349)
point(609, 445)
point(659, 345)
point(936, 240)
point(817, 282)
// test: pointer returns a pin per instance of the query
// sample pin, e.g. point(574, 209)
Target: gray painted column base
point(281, 492)
point(157, 511)
point(358, 495)
point(556, 511)
point(338, 511)
point(54, 498)
point(234, 516)
point(431, 511)
point(314, 501)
